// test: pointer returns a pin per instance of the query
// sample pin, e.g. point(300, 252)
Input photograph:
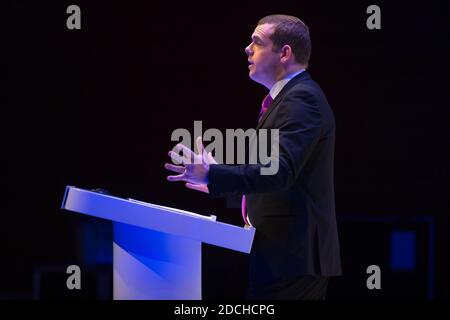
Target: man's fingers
point(179, 177)
point(178, 169)
point(188, 154)
point(206, 157)
point(200, 147)
point(211, 160)
point(176, 158)
point(198, 187)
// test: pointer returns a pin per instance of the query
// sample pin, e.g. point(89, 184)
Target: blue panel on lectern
point(97, 238)
point(403, 250)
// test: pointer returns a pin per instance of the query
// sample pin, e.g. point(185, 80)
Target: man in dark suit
point(296, 246)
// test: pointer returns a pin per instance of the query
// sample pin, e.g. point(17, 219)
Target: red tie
point(264, 106)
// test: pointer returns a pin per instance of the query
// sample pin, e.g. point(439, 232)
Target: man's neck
point(286, 72)
point(283, 73)
point(278, 86)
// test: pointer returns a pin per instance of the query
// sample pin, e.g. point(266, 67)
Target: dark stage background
point(96, 108)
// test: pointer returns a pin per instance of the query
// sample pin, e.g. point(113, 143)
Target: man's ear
point(286, 53)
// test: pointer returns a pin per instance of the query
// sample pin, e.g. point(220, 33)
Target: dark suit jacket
point(293, 211)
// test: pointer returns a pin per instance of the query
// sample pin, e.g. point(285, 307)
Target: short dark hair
point(292, 31)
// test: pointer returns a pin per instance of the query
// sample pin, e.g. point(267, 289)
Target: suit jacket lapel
point(302, 76)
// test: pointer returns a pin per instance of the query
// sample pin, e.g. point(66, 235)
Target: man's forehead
point(263, 30)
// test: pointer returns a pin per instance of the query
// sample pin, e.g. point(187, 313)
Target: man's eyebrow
point(256, 38)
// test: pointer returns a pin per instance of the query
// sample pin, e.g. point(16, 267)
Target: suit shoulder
point(306, 87)
point(307, 95)
point(305, 91)
point(309, 91)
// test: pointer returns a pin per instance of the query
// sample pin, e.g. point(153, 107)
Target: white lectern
point(157, 249)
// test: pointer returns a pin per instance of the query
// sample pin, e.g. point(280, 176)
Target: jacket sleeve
point(298, 119)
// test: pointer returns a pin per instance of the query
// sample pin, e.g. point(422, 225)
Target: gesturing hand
point(193, 168)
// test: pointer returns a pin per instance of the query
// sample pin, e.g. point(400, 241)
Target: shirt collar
point(279, 85)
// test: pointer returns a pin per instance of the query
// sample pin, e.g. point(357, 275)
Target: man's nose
point(248, 51)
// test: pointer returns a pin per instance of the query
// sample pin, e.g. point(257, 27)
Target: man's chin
point(252, 75)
